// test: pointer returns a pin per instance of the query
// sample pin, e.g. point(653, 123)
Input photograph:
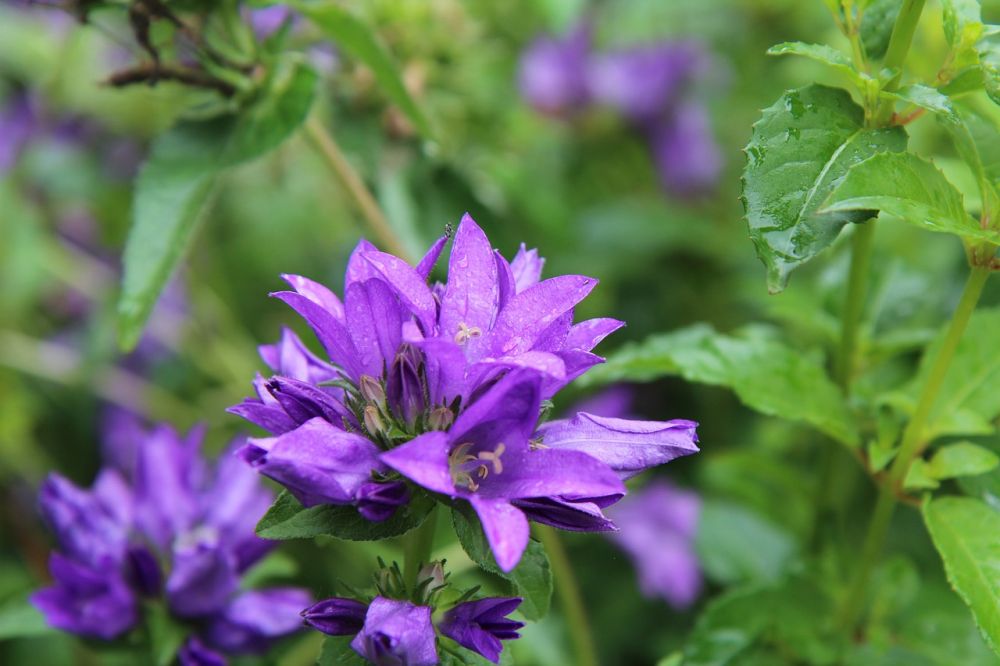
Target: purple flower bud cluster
point(649, 85)
point(161, 526)
point(439, 387)
point(390, 631)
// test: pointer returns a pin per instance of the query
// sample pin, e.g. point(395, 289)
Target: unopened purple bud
point(441, 418)
point(371, 390)
point(336, 616)
point(378, 501)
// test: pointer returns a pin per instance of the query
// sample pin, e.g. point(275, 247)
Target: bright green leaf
point(962, 459)
point(909, 188)
point(20, 619)
point(765, 374)
point(821, 53)
point(531, 578)
point(988, 47)
point(357, 39)
point(966, 533)
point(287, 519)
point(800, 150)
point(958, 16)
point(876, 26)
point(920, 476)
point(725, 529)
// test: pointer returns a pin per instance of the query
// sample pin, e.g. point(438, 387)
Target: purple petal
point(317, 462)
point(552, 73)
point(303, 401)
point(685, 151)
point(255, 618)
point(544, 363)
point(166, 471)
point(444, 368)
point(291, 358)
point(526, 268)
point(85, 529)
point(551, 472)
point(203, 577)
point(397, 632)
point(195, 653)
point(374, 320)
point(359, 270)
point(426, 264)
point(506, 529)
point(564, 515)
point(378, 501)
point(506, 412)
point(86, 602)
point(143, 571)
point(336, 616)
point(271, 418)
point(424, 460)
point(329, 331)
point(628, 447)
point(480, 625)
point(471, 296)
point(530, 313)
point(505, 280)
point(410, 286)
point(317, 293)
point(587, 334)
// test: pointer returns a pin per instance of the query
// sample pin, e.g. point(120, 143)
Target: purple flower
point(480, 625)
point(268, 20)
point(658, 526)
point(336, 616)
point(552, 75)
point(164, 522)
point(195, 653)
point(17, 122)
point(397, 633)
point(685, 152)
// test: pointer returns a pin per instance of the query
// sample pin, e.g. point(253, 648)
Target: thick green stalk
point(902, 33)
point(417, 547)
point(854, 305)
point(570, 598)
point(912, 446)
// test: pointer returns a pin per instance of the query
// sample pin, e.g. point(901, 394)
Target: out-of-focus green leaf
point(725, 529)
point(989, 61)
point(876, 26)
point(958, 16)
point(765, 374)
point(20, 619)
point(821, 53)
point(962, 459)
point(165, 634)
point(358, 39)
point(911, 189)
point(966, 533)
point(800, 149)
point(174, 185)
point(337, 651)
point(531, 578)
point(287, 519)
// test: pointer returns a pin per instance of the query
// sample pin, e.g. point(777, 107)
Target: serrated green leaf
point(20, 619)
point(357, 39)
point(821, 53)
point(876, 26)
point(337, 651)
point(962, 459)
point(531, 578)
point(725, 529)
point(800, 149)
point(969, 400)
point(966, 533)
point(287, 519)
point(909, 188)
point(175, 183)
point(924, 97)
point(765, 374)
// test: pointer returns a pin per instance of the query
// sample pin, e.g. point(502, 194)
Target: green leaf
point(920, 477)
point(20, 619)
point(958, 16)
point(287, 519)
point(357, 39)
point(909, 188)
point(966, 533)
point(531, 579)
point(174, 185)
point(337, 651)
point(969, 399)
point(165, 634)
point(725, 529)
point(765, 374)
point(962, 459)
point(876, 26)
point(800, 150)
point(821, 53)
point(988, 47)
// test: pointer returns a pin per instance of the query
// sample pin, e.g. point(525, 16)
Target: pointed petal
point(506, 529)
point(544, 363)
point(506, 412)
point(531, 312)
point(505, 279)
point(374, 320)
point(269, 417)
point(317, 293)
point(472, 292)
point(572, 516)
point(426, 264)
point(627, 446)
point(424, 460)
point(254, 618)
point(409, 286)
point(359, 270)
point(551, 472)
point(526, 268)
point(444, 367)
point(330, 332)
point(202, 579)
point(587, 334)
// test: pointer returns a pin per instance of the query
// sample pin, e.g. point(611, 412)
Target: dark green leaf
point(357, 39)
point(876, 26)
point(966, 533)
point(531, 579)
point(765, 374)
point(337, 651)
point(800, 150)
point(909, 188)
point(174, 185)
point(287, 519)
point(20, 619)
point(725, 529)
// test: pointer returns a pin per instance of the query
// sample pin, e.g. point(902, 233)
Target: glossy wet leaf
point(287, 519)
point(966, 533)
point(800, 150)
point(909, 188)
point(823, 53)
point(766, 374)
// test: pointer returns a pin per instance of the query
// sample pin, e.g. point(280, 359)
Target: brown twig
point(152, 73)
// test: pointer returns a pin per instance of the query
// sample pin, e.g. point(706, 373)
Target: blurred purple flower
point(160, 505)
point(686, 154)
point(480, 625)
point(552, 75)
point(17, 123)
point(268, 20)
point(658, 525)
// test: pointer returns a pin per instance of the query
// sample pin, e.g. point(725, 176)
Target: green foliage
point(175, 184)
point(531, 579)
point(165, 634)
point(820, 53)
point(949, 462)
point(337, 651)
point(876, 26)
point(800, 150)
point(20, 619)
point(287, 519)
point(725, 529)
point(966, 533)
point(765, 373)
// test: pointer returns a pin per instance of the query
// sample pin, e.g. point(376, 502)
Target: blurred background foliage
point(583, 189)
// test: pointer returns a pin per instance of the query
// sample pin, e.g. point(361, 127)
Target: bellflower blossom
point(553, 76)
point(392, 631)
point(440, 387)
point(163, 525)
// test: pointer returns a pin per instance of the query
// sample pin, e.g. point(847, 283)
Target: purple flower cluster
point(391, 631)
point(649, 85)
point(160, 526)
point(441, 387)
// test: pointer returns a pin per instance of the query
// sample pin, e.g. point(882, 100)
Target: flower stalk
point(570, 598)
point(417, 548)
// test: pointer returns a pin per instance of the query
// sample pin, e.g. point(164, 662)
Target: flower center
point(466, 333)
point(465, 468)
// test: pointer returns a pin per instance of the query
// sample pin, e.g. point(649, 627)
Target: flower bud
point(441, 418)
point(373, 421)
point(371, 390)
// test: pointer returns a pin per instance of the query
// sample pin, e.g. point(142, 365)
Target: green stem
point(355, 186)
point(912, 446)
point(902, 33)
point(854, 306)
point(417, 546)
point(570, 598)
